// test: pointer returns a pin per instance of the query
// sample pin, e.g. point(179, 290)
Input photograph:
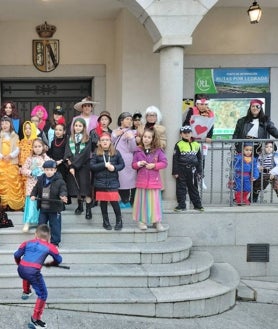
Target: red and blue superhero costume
point(30, 257)
point(246, 170)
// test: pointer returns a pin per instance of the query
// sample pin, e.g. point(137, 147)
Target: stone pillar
point(171, 95)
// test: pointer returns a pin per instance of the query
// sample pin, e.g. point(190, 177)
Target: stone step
point(87, 233)
point(194, 269)
point(209, 297)
point(87, 252)
point(69, 217)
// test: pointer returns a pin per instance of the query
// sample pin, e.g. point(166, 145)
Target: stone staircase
point(130, 272)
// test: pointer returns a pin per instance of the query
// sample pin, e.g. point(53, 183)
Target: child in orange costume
point(29, 131)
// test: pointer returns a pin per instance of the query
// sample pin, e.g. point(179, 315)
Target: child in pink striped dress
point(148, 160)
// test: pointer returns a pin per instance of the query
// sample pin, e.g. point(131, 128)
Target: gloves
point(48, 264)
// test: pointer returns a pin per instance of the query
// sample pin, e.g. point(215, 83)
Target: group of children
point(254, 171)
point(51, 193)
point(95, 155)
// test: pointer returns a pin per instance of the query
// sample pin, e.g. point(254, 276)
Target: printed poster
point(232, 81)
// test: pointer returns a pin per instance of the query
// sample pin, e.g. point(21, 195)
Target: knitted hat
point(80, 120)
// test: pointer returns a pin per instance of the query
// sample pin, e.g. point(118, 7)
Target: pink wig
point(37, 108)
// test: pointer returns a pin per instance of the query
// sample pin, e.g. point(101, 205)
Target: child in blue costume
point(245, 172)
point(30, 258)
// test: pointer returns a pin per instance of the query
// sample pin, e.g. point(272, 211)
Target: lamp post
point(255, 13)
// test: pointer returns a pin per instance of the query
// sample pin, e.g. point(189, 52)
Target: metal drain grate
point(258, 252)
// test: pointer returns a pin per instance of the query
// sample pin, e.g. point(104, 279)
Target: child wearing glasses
point(106, 162)
point(187, 164)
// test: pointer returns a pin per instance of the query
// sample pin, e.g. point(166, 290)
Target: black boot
point(255, 197)
point(79, 209)
point(106, 223)
point(119, 224)
point(88, 211)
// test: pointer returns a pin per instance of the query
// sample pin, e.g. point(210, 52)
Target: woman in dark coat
point(77, 157)
point(255, 125)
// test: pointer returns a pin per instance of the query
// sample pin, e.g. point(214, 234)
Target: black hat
point(136, 115)
point(58, 110)
point(49, 164)
point(186, 129)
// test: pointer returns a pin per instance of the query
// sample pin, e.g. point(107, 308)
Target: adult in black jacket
point(255, 125)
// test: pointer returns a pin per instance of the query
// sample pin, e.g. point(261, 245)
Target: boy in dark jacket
point(51, 192)
point(187, 160)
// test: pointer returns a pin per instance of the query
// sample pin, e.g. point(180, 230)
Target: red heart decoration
point(192, 121)
point(200, 129)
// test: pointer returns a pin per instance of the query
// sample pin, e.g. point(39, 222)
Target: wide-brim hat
point(86, 100)
point(105, 114)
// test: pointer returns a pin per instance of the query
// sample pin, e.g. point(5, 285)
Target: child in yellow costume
point(11, 189)
point(29, 130)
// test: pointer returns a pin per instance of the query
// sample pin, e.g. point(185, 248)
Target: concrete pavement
point(244, 315)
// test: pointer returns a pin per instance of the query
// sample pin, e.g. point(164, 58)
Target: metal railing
point(217, 187)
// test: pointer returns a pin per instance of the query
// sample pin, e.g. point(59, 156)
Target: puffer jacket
point(57, 188)
point(149, 178)
point(103, 178)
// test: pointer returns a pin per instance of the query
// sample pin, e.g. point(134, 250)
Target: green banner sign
point(204, 83)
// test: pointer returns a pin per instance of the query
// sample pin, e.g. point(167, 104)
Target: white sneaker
point(25, 228)
point(159, 226)
point(142, 226)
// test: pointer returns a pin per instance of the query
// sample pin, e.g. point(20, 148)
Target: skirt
point(11, 188)
point(107, 196)
point(31, 212)
point(147, 206)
